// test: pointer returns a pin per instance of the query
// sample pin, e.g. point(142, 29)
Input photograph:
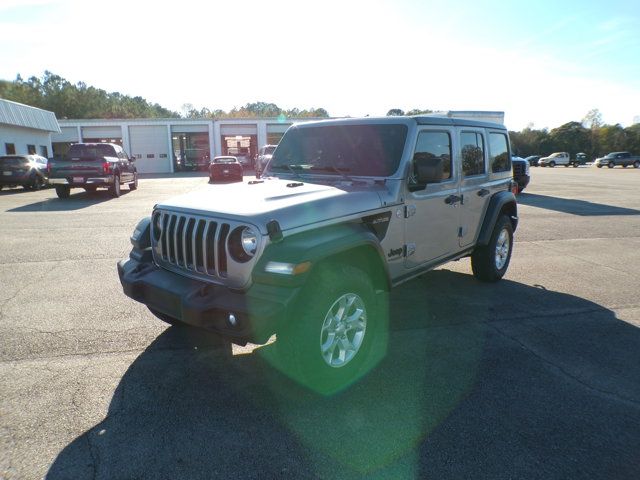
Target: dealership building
point(165, 145)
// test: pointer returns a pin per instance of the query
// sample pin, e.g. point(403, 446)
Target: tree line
point(590, 136)
point(54, 93)
point(78, 101)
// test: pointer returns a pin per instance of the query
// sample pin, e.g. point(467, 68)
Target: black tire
point(114, 190)
point(575, 165)
point(313, 346)
point(134, 185)
point(552, 164)
point(27, 186)
point(636, 164)
point(599, 166)
point(63, 191)
point(611, 165)
point(37, 182)
point(489, 263)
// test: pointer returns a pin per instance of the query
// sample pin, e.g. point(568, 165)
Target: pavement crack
point(563, 371)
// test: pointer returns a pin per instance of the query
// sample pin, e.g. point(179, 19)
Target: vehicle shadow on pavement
point(479, 381)
point(573, 206)
point(77, 201)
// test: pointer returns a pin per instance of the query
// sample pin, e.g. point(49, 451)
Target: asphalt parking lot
point(537, 376)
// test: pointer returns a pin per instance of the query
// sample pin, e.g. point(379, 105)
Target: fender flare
point(354, 242)
point(501, 202)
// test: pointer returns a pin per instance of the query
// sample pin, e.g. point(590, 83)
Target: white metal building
point(161, 144)
point(26, 130)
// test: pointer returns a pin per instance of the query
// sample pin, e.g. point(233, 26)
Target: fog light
point(233, 321)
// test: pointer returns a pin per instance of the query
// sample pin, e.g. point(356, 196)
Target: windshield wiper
point(291, 168)
point(334, 169)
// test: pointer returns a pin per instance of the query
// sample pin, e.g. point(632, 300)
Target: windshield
point(364, 150)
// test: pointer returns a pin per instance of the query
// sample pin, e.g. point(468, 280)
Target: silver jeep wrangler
point(346, 210)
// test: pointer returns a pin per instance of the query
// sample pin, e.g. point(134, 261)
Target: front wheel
point(328, 341)
point(636, 164)
point(63, 191)
point(489, 263)
point(611, 165)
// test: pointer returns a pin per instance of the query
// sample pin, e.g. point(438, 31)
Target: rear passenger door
point(475, 184)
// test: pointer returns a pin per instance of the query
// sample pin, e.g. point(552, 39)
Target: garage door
point(102, 132)
point(149, 144)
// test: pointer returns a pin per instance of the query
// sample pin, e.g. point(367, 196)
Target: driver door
point(432, 213)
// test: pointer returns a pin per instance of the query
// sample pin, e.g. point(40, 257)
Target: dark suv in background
point(29, 171)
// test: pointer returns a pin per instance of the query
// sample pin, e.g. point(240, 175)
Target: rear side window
point(499, 152)
point(13, 161)
point(472, 148)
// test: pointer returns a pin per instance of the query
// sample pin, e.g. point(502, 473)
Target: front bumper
point(97, 181)
point(258, 312)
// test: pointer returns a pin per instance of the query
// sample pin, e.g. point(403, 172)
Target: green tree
point(395, 112)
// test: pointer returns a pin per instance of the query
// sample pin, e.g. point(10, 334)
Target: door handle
point(483, 193)
point(452, 199)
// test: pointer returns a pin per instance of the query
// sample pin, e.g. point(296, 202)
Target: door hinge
point(409, 249)
point(409, 211)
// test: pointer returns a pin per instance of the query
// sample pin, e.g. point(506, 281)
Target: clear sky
point(542, 62)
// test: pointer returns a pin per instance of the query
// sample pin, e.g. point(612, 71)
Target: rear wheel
point(329, 338)
point(490, 263)
point(114, 190)
point(63, 191)
point(552, 164)
point(636, 164)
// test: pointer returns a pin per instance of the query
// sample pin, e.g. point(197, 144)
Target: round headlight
point(249, 241)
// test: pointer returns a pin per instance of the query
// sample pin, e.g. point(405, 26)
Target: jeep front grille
point(190, 243)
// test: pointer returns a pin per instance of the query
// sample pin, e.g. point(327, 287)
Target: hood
point(292, 202)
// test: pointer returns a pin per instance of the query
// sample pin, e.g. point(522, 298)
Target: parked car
point(337, 219)
point(557, 158)
point(533, 160)
point(93, 165)
point(613, 159)
point(225, 168)
point(264, 155)
point(521, 172)
point(29, 171)
point(581, 159)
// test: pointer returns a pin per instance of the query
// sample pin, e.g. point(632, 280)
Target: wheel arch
point(351, 244)
point(502, 203)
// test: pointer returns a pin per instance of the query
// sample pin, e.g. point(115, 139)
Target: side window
point(432, 146)
point(31, 149)
point(472, 148)
point(499, 152)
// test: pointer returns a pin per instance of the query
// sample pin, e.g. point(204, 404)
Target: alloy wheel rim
point(502, 249)
point(343, 330)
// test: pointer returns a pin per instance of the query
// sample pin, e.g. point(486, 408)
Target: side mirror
point(428, 170)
